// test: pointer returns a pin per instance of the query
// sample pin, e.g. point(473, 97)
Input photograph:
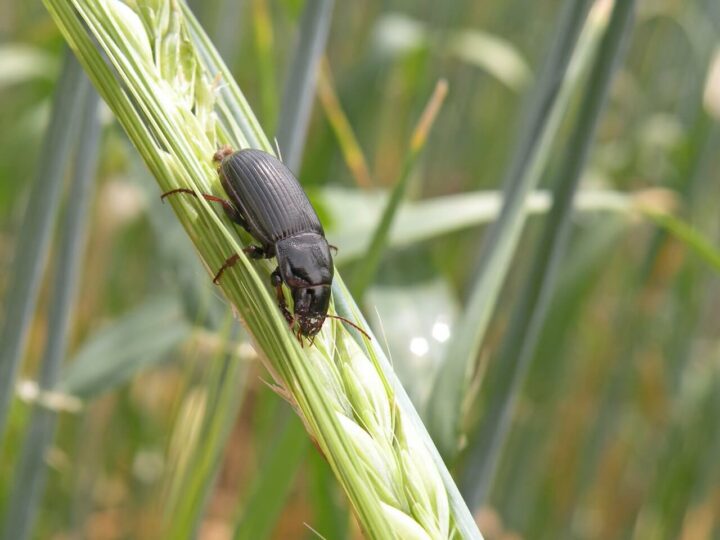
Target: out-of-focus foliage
point(616, 432)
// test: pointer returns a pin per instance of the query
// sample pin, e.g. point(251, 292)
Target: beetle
point(266, 199)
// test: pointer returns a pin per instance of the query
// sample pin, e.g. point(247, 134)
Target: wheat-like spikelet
point(159, 74)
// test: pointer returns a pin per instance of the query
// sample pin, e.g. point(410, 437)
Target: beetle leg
point(333, 248)
point(276, 281)
point(255, 252)
point(227, 264)
point(230, 209)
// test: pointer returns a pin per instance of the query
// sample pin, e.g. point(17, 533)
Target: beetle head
point(311, 306)
point(306, 267)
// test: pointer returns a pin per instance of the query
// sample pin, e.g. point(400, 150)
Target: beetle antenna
point(355, 326)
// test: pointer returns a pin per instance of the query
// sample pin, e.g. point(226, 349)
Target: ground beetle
point(266, 199)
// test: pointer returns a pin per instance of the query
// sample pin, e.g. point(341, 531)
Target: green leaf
point(427, 219)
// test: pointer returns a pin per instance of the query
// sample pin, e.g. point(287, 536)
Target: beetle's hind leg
point(230, 209)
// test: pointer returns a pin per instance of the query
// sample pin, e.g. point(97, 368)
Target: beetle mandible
point(266, 200)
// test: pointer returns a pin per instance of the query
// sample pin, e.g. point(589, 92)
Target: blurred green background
point(615, 428)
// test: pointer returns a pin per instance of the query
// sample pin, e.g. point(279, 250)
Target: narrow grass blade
point(300, 85)
point(33, 241)
point(264, 45)
point(30, 475)
point(689, 236)
point(349, 145)
point(193, 479)
point(138, 340)
point(427, 219)
point(518, 483)
point(520, 342)
point(273, 481)
point(365, 274)
point(548, 103)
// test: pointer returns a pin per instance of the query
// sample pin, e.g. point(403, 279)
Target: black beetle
point(268, 202)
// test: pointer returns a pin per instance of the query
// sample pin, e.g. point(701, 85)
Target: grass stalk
point(32, 471)
point(155, 68)
point(33, 241)
point(547, 105)
point(529, 315)
point(264, 45)
point(300, 86)
point(257, 515)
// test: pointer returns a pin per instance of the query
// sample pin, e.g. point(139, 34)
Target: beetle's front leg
point(276, 281)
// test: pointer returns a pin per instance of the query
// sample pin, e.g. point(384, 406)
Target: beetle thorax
point(304, 260)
